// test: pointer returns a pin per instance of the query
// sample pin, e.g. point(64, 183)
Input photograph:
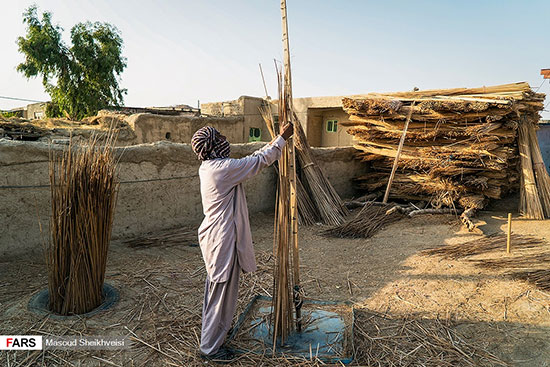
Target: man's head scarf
point(207, 143)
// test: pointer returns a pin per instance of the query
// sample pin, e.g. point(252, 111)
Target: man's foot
point(223, 355)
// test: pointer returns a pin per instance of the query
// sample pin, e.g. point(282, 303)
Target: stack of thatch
point(461, 146)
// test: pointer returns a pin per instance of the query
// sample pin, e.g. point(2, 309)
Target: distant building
point(31, 111)
point(18, 112)
point(253, 127)
point(181, 109)
point(36, 111)
point(321, 118)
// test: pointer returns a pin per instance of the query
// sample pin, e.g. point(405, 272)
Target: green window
point(255, 134)
point(332, 126)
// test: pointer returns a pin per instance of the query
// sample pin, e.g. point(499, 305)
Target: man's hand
point(287, 131)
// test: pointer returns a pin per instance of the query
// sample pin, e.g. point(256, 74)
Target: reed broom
point(83, 188)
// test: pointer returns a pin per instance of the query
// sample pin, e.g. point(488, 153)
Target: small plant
point(8, 114)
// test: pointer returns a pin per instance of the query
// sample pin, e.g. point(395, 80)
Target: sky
point(185, 51)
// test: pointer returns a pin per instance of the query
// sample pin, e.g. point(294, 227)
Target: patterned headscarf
point(208, 144)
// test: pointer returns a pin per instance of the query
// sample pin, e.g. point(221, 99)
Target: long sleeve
point(239, 170)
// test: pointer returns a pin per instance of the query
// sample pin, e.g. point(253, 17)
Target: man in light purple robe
point(224, 235)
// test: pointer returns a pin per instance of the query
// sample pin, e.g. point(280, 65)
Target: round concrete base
point(39, 304)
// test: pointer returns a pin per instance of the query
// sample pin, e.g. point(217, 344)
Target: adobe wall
point(245, 106)
point(159, 189)
point(180, 129)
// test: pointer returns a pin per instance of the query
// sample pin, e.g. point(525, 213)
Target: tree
point(80, 79)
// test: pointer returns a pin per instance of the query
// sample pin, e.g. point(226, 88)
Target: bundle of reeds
point(318, 201)
point(529, 204)
point(171, 237)
point(330, 207)
point(529, 260)
point(459, 142)
point(83, 197)
point(370, 219)
point(539, 278)
point(286, 276)
point(541, 175)
point(483, 245)
point(307, 211)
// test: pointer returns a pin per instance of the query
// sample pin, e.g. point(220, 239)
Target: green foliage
point(80, 79)
point(8, 114)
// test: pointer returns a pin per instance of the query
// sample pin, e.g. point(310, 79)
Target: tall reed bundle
point(529, 204)
point(317, 198)
point(541, 175)
point(307, 211)
point(329, 205)
point(286, 275)
point(285, 239)
point(83, 197)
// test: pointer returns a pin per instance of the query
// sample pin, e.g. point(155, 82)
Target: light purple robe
point(226, 228)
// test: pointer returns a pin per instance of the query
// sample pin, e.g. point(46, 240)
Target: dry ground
point(161, 294)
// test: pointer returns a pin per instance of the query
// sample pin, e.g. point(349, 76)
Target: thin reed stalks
point(84, 189)
point(541, 175)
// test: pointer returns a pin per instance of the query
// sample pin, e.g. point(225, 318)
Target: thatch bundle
point(83, 196)
point(529, 259)
point(461, 146)
point(370, 219)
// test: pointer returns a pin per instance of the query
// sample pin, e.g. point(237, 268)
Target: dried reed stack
point(317, 198)
point(541, 175)
point(529, 261)
point(83, 197)
point(330, 207)
point(539, 278)
point(286, 273)
point(282, 318)
point(461, 147)
point(484, 245)
point(370, 219)
point(529, 204)
point(307, 211)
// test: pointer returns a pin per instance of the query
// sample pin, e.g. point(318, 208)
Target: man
point(224, 235)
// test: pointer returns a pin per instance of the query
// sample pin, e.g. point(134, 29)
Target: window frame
point(252, 134)
point(331, 126)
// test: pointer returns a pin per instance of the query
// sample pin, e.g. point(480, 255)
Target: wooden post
point(399, 148)
point(263, 80)
point(509, 233)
